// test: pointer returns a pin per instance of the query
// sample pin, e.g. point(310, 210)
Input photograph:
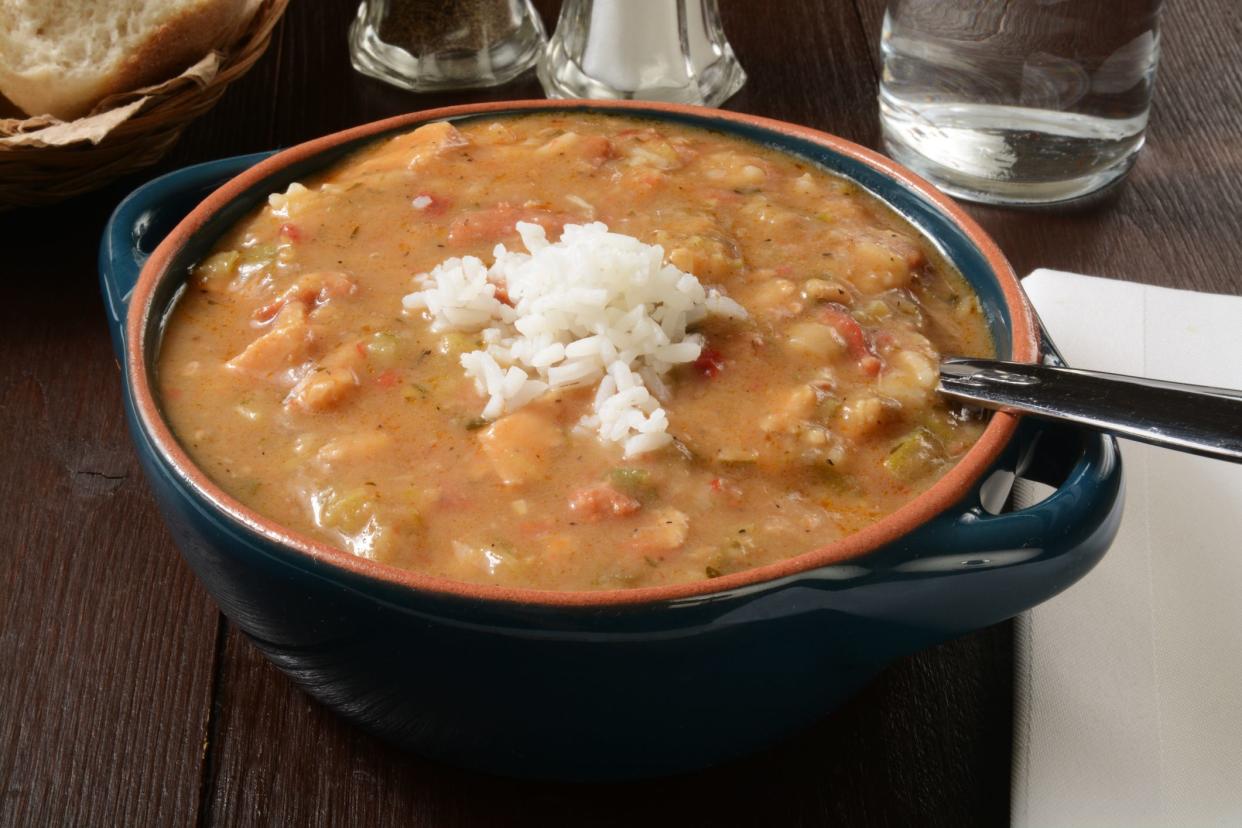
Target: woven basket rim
point(31, 176)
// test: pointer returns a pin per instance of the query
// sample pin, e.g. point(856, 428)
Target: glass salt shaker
point(427, 45)
point(653, 50)
point(1022, 102)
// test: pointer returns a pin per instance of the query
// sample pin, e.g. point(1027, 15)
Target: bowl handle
point(1002, 564)
point(143, 219)
point(1084, 507)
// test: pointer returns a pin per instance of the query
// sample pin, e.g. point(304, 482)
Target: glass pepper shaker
point(427, 45)
point(655, 50)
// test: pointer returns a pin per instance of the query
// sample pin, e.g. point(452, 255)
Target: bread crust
point(176, 45)
point(165, 51)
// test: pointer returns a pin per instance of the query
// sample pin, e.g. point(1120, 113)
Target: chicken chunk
point(330, 381)
point(667, 530)
point(351, 449)
point(864, 415)
point(321, 390)
point(520, 445)
point(883, 263)
point(311, 290)
point(414, 149)
point(284, 344)
point(593, 149)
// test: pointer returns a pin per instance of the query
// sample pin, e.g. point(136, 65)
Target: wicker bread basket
point(37, 170)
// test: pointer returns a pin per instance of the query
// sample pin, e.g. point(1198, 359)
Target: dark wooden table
point(126, 699)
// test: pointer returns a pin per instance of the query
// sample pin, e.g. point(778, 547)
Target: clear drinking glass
point(1018, 102)
point(652, 50)
point(426, 45)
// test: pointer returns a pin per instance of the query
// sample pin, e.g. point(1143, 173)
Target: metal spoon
point(1191, 418)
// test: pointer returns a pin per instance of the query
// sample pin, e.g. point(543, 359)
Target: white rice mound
point(595, 307)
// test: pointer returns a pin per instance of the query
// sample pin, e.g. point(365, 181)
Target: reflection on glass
point(1023, 102)
point(431, 44)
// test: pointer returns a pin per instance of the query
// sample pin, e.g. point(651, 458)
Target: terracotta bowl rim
point(943, 494)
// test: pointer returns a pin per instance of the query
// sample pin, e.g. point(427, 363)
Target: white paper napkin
point(1129, 684)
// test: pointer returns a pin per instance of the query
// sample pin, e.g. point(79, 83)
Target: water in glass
point(1021, 101)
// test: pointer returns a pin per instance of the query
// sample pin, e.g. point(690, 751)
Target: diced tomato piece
point(726, 489)
point(325, 285)
point(601, 501)
point(361, 348)
point(430, 205)
point(502, 295)
point(291, 232)
point(710, 362)
point(389, 378)
point(845, 324)
point(596, 149)
point(488, 224)
point(536, 527)
point(269, 311)
point(839, 317)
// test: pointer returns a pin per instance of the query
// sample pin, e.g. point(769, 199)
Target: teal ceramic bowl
point(595, 685)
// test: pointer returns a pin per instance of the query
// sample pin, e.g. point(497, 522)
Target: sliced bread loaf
point(61, 57)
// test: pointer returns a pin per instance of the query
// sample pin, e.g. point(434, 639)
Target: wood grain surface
point(126, 700)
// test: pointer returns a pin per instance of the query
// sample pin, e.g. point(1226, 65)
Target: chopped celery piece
point(217, 265)
point(347, 511)
point(835, 481)
point(826, 408)
point(456, 342)
point(636, 483)
point(873, 312)
point(258, 254)
point(734, 553)
point(915, 455)
point(941, 425)
point(382, 346)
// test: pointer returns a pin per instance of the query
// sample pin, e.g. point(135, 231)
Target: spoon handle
point(1191, 418)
